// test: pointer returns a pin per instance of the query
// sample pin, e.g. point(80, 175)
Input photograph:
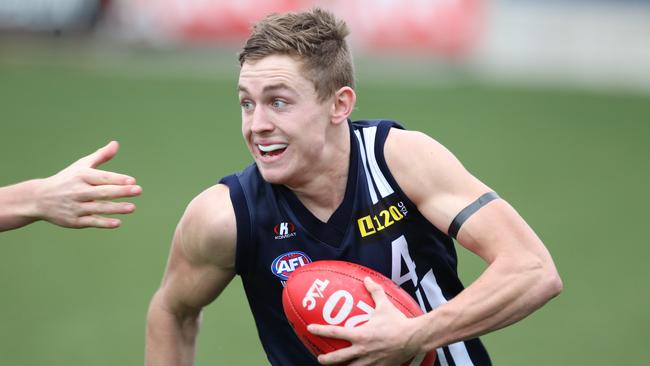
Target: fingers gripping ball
point(333, 293)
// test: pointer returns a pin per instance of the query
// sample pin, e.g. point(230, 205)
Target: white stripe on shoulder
point(382, 184)
point(362, 150)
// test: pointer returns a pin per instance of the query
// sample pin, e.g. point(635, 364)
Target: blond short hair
point(315, 37)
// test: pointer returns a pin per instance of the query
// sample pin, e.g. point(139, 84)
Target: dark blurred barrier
point(50, 15)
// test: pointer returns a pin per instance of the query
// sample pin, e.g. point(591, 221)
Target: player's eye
point(246, 105)
point(277, 103)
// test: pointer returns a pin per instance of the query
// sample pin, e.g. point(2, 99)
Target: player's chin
point(272, 175)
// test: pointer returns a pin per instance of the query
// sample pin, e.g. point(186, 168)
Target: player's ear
point(343, 104)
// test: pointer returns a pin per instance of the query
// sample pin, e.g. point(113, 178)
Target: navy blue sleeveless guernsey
point(376, 225)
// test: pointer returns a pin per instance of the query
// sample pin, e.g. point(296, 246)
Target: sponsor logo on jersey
point(286, 263)
point(370, 224)
point(284, 230)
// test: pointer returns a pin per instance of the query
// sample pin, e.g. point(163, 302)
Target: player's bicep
point(499, 230)
point(455, 201)
point(431, 176)
point(189, 285)
point(201, 262)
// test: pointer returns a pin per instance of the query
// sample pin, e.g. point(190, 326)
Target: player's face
point(283, 122)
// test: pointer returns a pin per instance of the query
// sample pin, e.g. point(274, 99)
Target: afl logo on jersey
point(286, 263)
point(284, 230)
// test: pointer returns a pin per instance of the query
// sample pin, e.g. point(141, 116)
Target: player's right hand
point(80, 194)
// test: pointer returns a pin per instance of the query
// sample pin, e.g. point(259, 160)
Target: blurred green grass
point(574, 163)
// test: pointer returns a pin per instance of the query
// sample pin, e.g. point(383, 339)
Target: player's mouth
point(271, 151)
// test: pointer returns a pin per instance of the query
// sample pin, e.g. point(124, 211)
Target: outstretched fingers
point(100, 156)
point(90, 214)
point(109, 192)
point(97, 177)
point(98, 222)
point(107, 208)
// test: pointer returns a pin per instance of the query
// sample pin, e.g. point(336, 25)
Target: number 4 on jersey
point(426, 287)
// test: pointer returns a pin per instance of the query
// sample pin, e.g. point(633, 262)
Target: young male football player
point(323, 187)
point(76, 197)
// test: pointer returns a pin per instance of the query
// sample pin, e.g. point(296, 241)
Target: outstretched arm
point(520, 276)
point(75, 197)
point(200, 266)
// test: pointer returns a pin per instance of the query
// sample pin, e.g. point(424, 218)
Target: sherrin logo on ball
point(332, 293)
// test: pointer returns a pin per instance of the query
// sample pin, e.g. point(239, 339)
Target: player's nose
point(260, 121)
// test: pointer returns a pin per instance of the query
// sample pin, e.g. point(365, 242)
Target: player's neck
point(323, 202)
point(325, 191)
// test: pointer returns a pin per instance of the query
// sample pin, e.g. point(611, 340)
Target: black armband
point(468, 211)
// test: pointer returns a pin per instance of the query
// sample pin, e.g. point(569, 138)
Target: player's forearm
point(506, 292)
point(18, 205)
point(170, 338)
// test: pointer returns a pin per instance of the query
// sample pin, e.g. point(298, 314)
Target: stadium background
point(565, 140)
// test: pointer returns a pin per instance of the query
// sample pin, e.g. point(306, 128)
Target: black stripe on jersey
point(468, 211)
point(477, 352)
point(450, 359)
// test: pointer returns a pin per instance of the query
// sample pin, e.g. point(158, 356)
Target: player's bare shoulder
point(408, 149)
point(416, 161)
point(430, 175)
point(207, 231)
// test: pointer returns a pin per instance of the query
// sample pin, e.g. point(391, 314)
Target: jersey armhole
point(243, 219)
point(383, 129)
point(382, 134)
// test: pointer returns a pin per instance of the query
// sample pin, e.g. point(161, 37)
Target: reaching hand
point(388, 338)
point(77, 196)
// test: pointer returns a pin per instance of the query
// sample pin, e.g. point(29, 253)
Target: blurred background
point(548, 102)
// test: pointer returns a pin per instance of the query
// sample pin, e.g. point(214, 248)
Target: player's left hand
point(389, 338)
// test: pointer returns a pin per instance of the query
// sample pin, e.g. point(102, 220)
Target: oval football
point(332, 292)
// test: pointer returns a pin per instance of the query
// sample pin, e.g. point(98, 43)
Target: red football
point(332, 292)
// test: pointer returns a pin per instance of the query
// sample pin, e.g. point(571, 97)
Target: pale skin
point(520, 276)
point(76, 197)
point(281, 110)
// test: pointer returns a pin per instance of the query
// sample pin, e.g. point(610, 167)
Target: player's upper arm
point(202, 258)
point(431, 176)
point(439, 185)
